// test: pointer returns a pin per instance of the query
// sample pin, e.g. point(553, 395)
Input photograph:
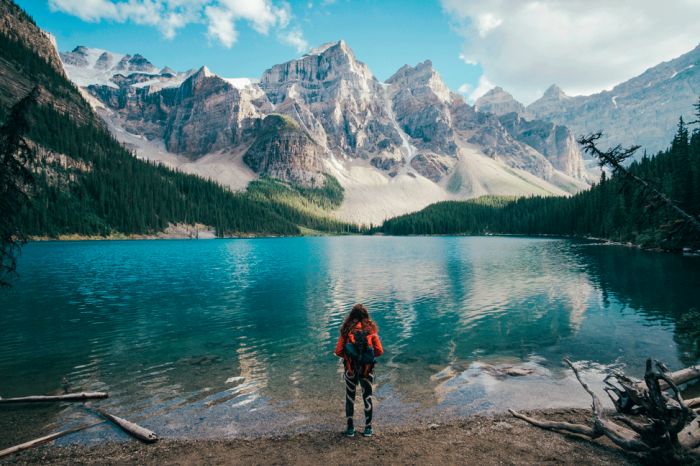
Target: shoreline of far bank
point(480, 439)
point(209, 235)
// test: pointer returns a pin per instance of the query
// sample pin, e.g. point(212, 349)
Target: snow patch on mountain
point(87, 66)
point(83, 71)
point(322, 48)
point(241, 83)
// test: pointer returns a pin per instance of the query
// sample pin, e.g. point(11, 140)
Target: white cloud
point(87, 10)
point(261, 14)
point(472, 93)
point(467, 60)
point(295, 38)
point(220, 25)
point(582, 45)
point(487, 22)
point(169, 16)
point(482, 88)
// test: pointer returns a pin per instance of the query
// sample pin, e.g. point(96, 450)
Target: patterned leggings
point(351, 382)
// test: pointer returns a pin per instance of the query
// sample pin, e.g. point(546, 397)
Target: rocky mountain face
point(283, 150)
point(202, 114)
point(556, 142)
point(337, 100)
point(17, 26)
point(208, 113)
point(30, 67)
point(439, 123)
point(553, 99)
point(486, 131)
point(643, 110)
point(420, 103)
point(499, 102)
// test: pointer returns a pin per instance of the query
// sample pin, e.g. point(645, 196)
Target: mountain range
point(394, 146)
point(641, 111)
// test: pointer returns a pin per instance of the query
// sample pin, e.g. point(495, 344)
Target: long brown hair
point(359, 314)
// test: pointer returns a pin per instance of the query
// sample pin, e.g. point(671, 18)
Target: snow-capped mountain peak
point(88, 66)
point(206, 72)
point(323, 47)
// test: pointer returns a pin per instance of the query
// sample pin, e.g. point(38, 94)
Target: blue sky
point(584, 46)
point(385, 35)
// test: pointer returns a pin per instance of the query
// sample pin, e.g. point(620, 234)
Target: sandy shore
point(482, 440)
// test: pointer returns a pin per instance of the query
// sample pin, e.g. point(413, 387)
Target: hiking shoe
point(368, 431)
point(350, 432)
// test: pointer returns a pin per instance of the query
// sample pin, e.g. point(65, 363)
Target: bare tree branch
point(614, 157)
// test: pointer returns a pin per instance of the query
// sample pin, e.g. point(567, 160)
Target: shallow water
point(235, 337)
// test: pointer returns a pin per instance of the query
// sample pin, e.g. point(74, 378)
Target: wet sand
point(483, 440)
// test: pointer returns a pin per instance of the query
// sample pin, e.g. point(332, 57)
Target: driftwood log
point(130, 428)
point(82, 396)
point(652, 418)
point(45, 439)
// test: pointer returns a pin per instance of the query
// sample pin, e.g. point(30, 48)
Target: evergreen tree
point(16, 156)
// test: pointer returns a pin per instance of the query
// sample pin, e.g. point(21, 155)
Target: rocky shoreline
point(484, 440)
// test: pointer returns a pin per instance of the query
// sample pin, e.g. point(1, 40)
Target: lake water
point(225, 338)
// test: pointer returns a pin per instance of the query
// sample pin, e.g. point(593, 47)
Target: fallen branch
point(45, 439)
point(67, 397)
point(561, 427)
point(131, 428)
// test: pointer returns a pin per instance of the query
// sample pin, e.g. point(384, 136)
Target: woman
point(358, 345)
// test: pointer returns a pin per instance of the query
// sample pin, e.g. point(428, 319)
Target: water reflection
point(231, 337)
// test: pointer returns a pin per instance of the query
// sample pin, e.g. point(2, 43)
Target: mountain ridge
point(642, 110)
point(370, 135)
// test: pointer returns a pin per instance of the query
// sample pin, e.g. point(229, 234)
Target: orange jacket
point(372, 340)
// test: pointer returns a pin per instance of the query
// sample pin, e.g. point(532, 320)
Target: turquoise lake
point(226, 338)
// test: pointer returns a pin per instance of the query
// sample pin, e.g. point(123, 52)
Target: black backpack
point(360, 352)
